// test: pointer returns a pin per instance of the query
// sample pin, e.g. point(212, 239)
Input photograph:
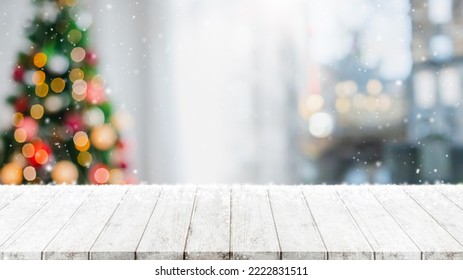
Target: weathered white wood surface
point(296, 228)
point(253, 232)
point(19, 211)
point(342, 236)
point(231, 222)
point(430, 237)
point(384, 234)
point(166, 233)
point(29, 241)
point(76, 239)
point(211, 211)
point(123, 233)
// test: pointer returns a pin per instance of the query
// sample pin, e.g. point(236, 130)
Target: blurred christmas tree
point(63, 129)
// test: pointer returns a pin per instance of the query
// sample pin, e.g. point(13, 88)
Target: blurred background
point(274, 91)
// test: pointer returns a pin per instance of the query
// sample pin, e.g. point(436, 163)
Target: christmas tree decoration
point(62, 130)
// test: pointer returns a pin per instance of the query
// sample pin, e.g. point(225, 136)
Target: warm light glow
point(38, 77)
point(101, 175)
point(315, 102)
point(84, 159)
point(116, 176)
point(374, 87)
point(77, 54)
point(37, 111)
point(29, 173)
point(41, 90)
point(79, 87)
point(98, 82)
point(18, 119)
point(80, 139)
point(20, 135)
point(57, 85)
point(76, 74)
point(40, 59)
point(28, 150)
point(41, 157)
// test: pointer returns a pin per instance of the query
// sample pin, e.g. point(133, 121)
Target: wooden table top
point(231, 222)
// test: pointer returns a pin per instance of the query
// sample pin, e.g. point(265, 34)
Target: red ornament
point(21, 104)
point(91, 58)
point(18, 73)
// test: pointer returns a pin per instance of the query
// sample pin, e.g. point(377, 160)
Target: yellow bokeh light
point(38, 77)
point(70, 3)
point(83, 148)
point(18, 119)
point(116, 176)
point(29, 173)
point(84, 159)
point(41, 157)
point(41, 90)
point(57, 85)
point(374, 87)
point(20, 135)
point(40, 59)
point(37, 111)
point(77, 54)
point(315, 102)
point(76, 74)
point(80, 139)
point(343, 105)
point(28, 150)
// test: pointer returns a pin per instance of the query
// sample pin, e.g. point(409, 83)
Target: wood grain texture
point(28, 242)
point(432, 239)
point(253, 233)
point(8, 194)
point(445, 212)
point(209, 234)
point(387, 238)
point(342, 236)
point(80, 233)
point(120, 239)
point(19, 211)
point(297, 232)
point(166, 232)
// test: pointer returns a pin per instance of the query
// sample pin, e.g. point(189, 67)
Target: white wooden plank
point(342, 237)
point(297, 232)
point(8, 194)
point(387, 238)
point(81, 232)
point(20, 210)
point(432, 239)
point(452, 192)
point(121, 237)
point(253, 233)
point(209, 235)
point(166, 233)
point(443, 210)
point(29, 241)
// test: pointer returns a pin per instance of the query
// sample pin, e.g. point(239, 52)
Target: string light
point(38, 77)
point(37, 111)
point(28, 150)
point(29, 173)
point(77, 54)
point(20, 135)
point(41, 156)
point(41, 90)
point(57, 85)
point(84, 159)
point(40, 59)
point(76, 74)
point(18, 119)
